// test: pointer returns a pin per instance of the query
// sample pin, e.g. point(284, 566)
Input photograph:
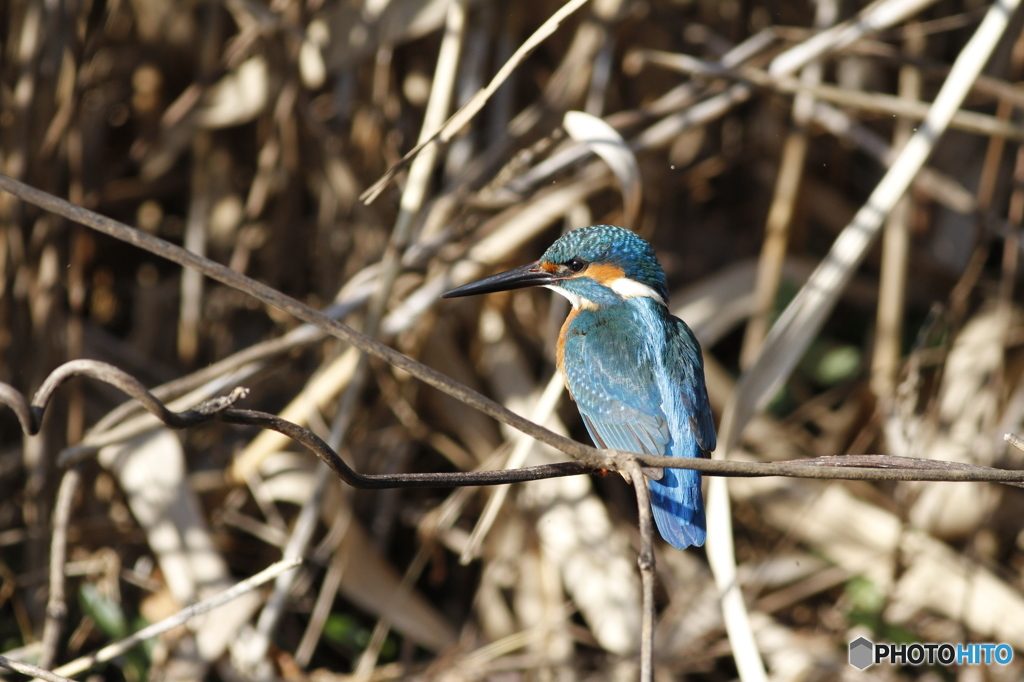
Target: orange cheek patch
point(604, 274)
point(548, 266)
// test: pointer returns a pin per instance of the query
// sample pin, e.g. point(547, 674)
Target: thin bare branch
point(645, 560)
point(274, 298)
point(56, 604)
point(589, 459)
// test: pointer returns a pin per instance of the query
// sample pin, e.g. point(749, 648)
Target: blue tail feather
point(678, 508)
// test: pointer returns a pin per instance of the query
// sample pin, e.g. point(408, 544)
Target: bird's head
point(592, 267)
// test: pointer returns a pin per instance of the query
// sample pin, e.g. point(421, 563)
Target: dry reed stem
point(787, 184)
point(114, 650)
point(466, 114)
point(895, 252)
point(804, 316)
point(315, 150)
point(32, 670)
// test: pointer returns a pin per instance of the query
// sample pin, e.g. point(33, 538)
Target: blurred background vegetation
point(246, 131)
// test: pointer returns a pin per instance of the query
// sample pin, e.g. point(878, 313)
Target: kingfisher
point(634, 370)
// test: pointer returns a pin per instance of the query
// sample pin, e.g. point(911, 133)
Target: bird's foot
point(654, 473)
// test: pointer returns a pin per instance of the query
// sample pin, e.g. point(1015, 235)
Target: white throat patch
point(630, 288)
point(576, 300)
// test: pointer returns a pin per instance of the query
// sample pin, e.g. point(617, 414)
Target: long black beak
point(527, 276)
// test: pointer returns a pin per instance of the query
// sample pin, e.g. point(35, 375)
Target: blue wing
point(676, 498)
point(643, 393)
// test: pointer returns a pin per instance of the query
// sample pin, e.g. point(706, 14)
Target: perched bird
point(635, 371)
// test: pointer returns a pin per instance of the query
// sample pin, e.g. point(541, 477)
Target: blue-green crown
point(607, 244)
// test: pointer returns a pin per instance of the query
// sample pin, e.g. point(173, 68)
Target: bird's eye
point(575, 264)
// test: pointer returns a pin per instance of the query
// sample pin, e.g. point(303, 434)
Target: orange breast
point(560, 346)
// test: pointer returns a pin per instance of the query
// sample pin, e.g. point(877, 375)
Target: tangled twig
point(847, 467)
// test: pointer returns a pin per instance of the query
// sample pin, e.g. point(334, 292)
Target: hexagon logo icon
point(862, 653)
